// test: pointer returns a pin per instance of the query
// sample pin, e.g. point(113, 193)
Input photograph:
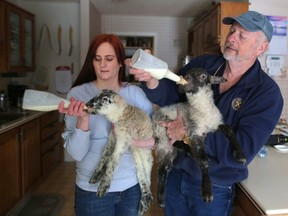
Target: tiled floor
point(62, 181)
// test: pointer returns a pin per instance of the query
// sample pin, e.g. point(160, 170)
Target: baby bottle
point(157, 68)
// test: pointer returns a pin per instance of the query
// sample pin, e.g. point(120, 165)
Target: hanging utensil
point(45, 27)
point(41, 36)
point(70, 40)
point(49, 36)
point(59, 39)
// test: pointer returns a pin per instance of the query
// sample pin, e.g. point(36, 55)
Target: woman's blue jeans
point(123, 203)
point(183, 197)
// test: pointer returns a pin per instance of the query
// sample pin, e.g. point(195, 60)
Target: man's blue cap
point(252, 21)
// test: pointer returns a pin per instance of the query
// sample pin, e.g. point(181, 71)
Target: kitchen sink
point(6, 117)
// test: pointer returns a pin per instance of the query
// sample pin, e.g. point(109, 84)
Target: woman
point(86, 135)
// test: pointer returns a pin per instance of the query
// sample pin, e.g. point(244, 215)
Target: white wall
point(54, 14)
point(278, 8)
point(90, 25)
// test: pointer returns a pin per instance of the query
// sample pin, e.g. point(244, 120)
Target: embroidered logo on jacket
point(236, 103)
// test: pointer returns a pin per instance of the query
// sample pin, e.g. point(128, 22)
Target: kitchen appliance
point(277, 139)
point(3, 101)
point(15, 93)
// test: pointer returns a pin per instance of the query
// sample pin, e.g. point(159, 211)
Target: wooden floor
point(62, 181)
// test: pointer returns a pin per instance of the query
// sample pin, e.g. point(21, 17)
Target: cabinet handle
point(21, 135)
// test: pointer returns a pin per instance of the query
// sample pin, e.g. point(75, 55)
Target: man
point(250, 101)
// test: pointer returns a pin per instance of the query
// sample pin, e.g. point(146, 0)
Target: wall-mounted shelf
point(133, 41)
point(136, 40)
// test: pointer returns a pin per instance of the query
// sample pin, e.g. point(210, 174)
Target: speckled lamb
point(129, 123)
point(201, 116)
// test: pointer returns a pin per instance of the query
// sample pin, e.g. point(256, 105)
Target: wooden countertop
point(267, 183)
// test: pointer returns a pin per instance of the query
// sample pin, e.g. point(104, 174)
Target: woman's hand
point(146, 144)
point(76, 108)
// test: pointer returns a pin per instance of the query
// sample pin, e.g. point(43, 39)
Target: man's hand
point(141, 75)
point(176, 129)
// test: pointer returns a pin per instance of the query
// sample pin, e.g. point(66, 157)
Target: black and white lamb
point(200, 116)
point(129, 123)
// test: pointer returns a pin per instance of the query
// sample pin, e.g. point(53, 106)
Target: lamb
point(201, 116)
point(129, 123)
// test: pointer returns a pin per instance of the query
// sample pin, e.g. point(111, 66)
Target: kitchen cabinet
point(30, 150)
point(195, 36)
point(20, 163)
point(50, 142)
point(244, 206)
point(10, 166)
point(17, 39)
point(208, 34)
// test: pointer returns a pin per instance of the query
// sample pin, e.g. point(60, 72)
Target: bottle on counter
point(263, 152)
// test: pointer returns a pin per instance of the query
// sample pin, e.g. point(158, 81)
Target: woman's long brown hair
point(87, 72)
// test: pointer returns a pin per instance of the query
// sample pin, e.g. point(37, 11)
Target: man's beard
point(229, 57)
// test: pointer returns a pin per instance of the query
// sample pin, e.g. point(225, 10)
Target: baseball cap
point(252, 21)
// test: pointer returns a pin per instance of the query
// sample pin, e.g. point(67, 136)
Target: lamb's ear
point(117, 98)
point(217, 79)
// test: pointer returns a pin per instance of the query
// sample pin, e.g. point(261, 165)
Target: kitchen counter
point(267, 183)
point(25, 117)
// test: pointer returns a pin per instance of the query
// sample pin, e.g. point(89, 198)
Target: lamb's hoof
point(102, 190)
point(239, 157)
point(207, 196)
point(100, 194)
point(161, 201)
point(242, 161)
point(145, 202)
point(95, 177)
point(207, 192)
point(92, 180)
point(161, 204)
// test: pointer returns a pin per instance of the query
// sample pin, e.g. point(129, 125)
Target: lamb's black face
point(197, 78)
point(102, 101)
